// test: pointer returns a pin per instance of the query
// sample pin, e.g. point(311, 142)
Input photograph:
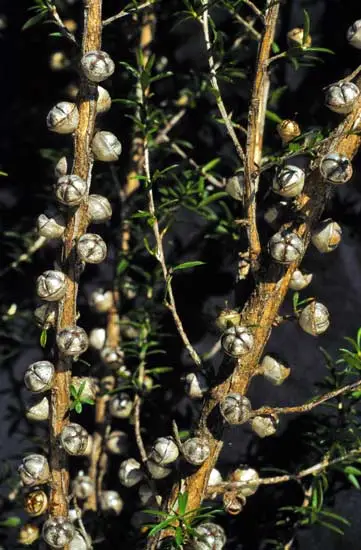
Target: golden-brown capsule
point(288, 130)
point(28, 534)
point(35, 503)
point(295, 38)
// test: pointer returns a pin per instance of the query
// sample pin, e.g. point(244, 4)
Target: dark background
point(27, 151)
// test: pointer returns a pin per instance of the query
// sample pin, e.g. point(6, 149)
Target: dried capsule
point(296, 38)
point(249, 479)
point(196, 385)
point(235, 408)
point(63, 118)
point(110, 502)
point(300, 280)
point(87, 384)
point(228, 318)
point(39, 376)
point(78, 542)
point(51, 225)
point(70, 190)
point(336, 168)
point(289, 181)
point(58, 531)
point(38, 409)
point(341, 97)
point(264, 426)
point(274, 370)
point(235, 187)
point(146, 495)
point(101, 300)
point(215, 478)
point(157, 471)
point(164, 451)
point(209, 536)
point(233, 502)
point(106, 146)
point(51, 285)
point(354, 34)
point(130, 472)
point(286, 247)
point(45, 316)
point(61, 167)
point(237, 341)
point(326, 236)
point(36, 503)
point(117, 443)
point(275, 213)
point(288, 130)
point(113, 357)
point(83, 486)
point(97, 338)
point(97, 65)
point(72, 341)
point(34, 470)
point(99, 209)
point(104, 101)
point(121, 405)
point(75, 440)
point(91, 248)
point(314, 319)
point(28, 534)
point(196, 450)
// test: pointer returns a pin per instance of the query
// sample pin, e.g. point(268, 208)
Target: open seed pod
point(264, 426)
point(300, 280)
point(99, 209)
point(110, 502)
point(196, 450)
point(237, 341)
point(39, 376)
point(274, 370)
point(70, 190)
point(28, 534)
point(341, 97)
point(120, 405)
point(209, 535)
point(58, 531)
point(289, 181)
point(34, 470)
point(38, 409)
point(51, 285)
point(196, 385)
point(117, 442)
point(97, 65)
point(164, 451)
point(249, 479)
point(51, 225)
point(130, 472)
point(75, 440)
point(45, 316)
point(235, 408)
point(91, 248)
point(106, 146)
point(233, 502)
point(326, 236)
point(36, 503)
point(336, 168)
point(72, 341)
point(83, 486)
point(285, 247)
point(63, 118)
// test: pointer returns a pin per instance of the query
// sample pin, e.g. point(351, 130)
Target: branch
point(59, 22)
point(76, 226)
point(124, 13)
point(307, 406)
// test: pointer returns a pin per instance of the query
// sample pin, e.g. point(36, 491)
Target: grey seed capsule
point(70, 190)
point(101, 300)
point(158, 471)
point(83, 486)
point(249, 479)
point(286, 247)
point(39, 376)
point(63, 118)
point(237, 341)
point(120, 405)
point(112, 357)
point(34, 470)
point(196, 450)
point(289, 181)
point(99, 209)
point(130, 472)
point(300, 280)
point(314, 319)
point(326, 236)
point(91, 248)
point(97, 65)
point(336, 168)
point(111, 502)
point(45, 315)
point(341, 97)
point(274, 370)
point(58, 531)
point(235, 408)
point(264, 426)
point(51, 285)
point(75, 439)
point(164, 451)
point(51, 226)
point(196, 385)
point(354, 34)
point(106, 146)
point(104, 101)
point(72, 341)
point(38, 409)
point(209, 536)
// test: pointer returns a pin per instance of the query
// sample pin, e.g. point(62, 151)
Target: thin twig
point(247, 24)
point(25, 256)
point(124, 13)
point(255, 10)
point(307, 406)
point(59, 22)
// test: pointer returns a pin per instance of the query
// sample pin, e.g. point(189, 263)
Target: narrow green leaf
point(354, 481)
point(12, 521)
point(78, 407)
point(213, 198)
point(211, 164)
point(182, 502)
point(270, 115)
point(306, 27)
point(43, 338)
point(122, 266)
point(3, 173)
point(187, 265)
point(34, 20)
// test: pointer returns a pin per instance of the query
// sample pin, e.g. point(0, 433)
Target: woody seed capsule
point(51, 285)
point(91, 248)
point(97, 65)
point(70, 190)
point(63, 118)
point(72, 341)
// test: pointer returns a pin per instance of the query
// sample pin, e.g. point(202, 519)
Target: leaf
point(12, 521)
point(295, 299)
point(211, 164)
point(270, 115)
point(122, 266)
point(354, 481)
point(182, 502)
point(78, 407)
point(3, 173)
point(34, 20)
point(43, 338)
point(178, 536)
point(213, 198)
point(187, 265)
point(306, 27)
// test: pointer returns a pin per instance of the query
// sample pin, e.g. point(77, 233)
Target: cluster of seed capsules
point(70, 191)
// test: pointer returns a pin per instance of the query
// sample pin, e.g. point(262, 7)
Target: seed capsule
point(97, 65)
point(354, 34)
point(341, 97)
point(34, 470)
point(196, 450)
point(39, 376)
point(79, 543)
point(106, 146)
point(286, 247)
point(233, 502)
point(110, 502)
point(99, 209)
point(274, 370)
point(326, 236)
point(235, 408)
point(83, 486)
point(112, 357)
point(228, 318)
point(45, 315)
point(58, 531)
point(51, 226)
point(101, 301)
point(104, 101)
point(130, 472)
point(97, 338)
point(75, 440)
point(209, 536)
point(36, 503)
point(28, 534)
point(295, 38)
point(164, 451)
point(117, 443)
point(38, 410)
point(264, 426)
point(288, 130)
point(91, 248)
point(88, 385)
point(51, 285)
point(146, 495)
point(72, 341)
point(289, 181)
point(70, 190)
point(196, 385)
point(336, 168)
point(61, 167)
point(215, 478)
point(275, 213)
point(249, 479)
point(235, 187)
point(300, 280)
point(314, 319)
point(157, 471)
point(121, 405)
point(237, 341)
point(63, 118)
